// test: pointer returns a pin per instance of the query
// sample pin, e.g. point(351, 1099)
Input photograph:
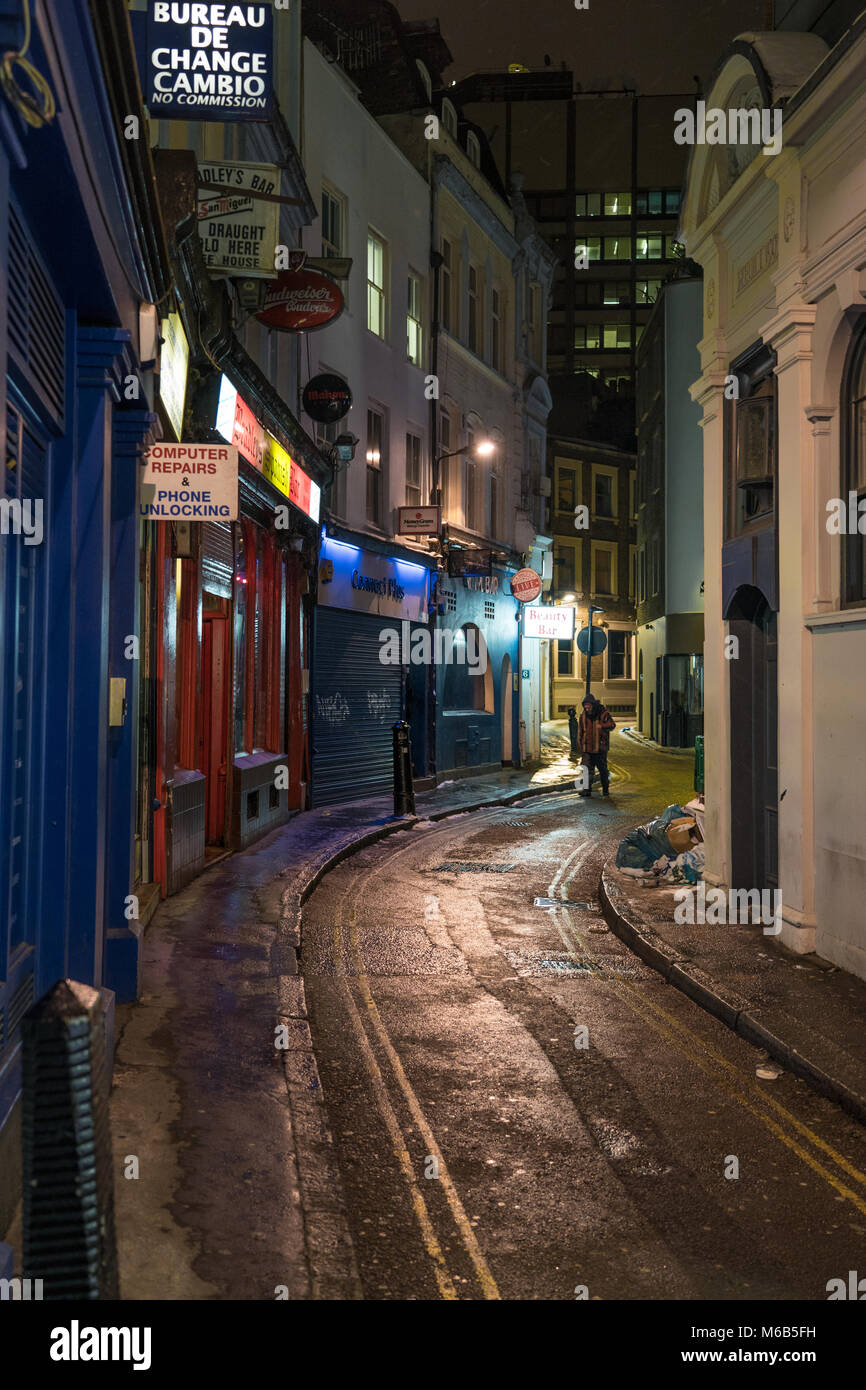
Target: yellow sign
point(173, 366)
point(276, 464)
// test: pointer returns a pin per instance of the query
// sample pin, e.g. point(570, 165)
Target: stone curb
point(655, 747)
point(725, 1005)
point(330, 1252)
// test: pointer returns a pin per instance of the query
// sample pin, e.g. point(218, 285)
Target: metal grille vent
point(68, 1209)
point(489, 609)
point(37, 328)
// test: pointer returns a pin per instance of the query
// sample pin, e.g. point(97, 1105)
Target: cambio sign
point(209, 62)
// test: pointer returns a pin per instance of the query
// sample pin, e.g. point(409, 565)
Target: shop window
point(468, 676)
point(854, 470)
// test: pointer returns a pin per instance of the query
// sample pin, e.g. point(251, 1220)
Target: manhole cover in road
point(564, 902)
point(460, 866)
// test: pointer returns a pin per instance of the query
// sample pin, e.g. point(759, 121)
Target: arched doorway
point(754, 741)
point(506, 707)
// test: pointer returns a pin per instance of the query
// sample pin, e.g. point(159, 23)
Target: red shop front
point(231, 679)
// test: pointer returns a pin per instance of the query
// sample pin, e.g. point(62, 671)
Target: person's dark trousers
point(596, 762)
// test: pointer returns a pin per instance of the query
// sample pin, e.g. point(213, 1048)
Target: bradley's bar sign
point(209, 62)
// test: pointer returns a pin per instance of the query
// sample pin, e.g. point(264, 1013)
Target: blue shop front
point(371, 627)
point(477, 677)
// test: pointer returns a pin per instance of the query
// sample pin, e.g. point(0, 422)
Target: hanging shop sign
point(299, 301)
point(327, 398)
point(236, 423)
point(173, 368)
point(190, 482)
point(526, 585)
point(418, 521)
point(208, 62)
point(543, 620)
point(239, 232)
point(469, 561)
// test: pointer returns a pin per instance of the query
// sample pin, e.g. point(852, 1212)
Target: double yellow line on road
point(445, 1283)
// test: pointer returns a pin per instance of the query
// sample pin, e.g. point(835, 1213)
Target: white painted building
point(374, 207)
point(782, 243)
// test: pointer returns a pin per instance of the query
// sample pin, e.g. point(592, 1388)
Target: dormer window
point(449, 118)
point(473, 148)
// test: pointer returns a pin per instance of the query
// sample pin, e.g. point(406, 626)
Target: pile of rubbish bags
point(668, 850)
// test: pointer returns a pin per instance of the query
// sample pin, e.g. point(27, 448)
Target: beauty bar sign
point(209, 62)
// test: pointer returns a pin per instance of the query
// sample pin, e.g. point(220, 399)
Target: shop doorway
point(754, 742)
point(215, 721)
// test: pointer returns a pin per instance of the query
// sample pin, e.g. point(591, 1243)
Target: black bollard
point(572, 730)
point(404, 790)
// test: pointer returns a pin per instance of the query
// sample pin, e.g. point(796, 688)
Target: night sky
point(657, 44)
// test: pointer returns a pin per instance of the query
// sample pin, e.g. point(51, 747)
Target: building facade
point(670, 538)
point(594, 562)
point(782, 243)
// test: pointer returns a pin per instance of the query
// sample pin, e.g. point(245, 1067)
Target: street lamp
point(483, 449)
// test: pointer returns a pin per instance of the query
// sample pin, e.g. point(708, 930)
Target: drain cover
point(564, 902)
point(460, 866)
point(567, 967)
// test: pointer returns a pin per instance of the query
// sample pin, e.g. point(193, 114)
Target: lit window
point(375, 285)
point(414, 331)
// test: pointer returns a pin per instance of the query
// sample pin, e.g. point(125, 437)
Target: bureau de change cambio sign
point(238, 231)
point(209, 62)
point(190, 482)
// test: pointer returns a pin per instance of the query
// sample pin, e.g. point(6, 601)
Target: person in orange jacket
point(593, 740)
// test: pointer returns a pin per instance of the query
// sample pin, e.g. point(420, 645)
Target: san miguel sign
point(208, 62)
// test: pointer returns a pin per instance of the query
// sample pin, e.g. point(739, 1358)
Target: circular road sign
point(599, 640)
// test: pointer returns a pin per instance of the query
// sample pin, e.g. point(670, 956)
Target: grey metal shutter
point(355, 703)
point(217, 557)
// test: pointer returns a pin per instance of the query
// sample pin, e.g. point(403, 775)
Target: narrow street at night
point(432, 655)
point(444, 1008)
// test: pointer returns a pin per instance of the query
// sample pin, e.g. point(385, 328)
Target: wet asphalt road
point(484, 1154)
